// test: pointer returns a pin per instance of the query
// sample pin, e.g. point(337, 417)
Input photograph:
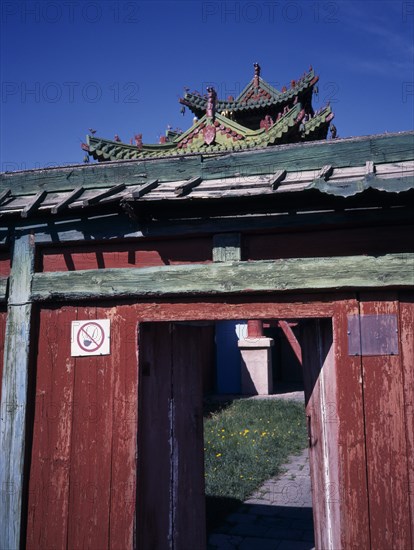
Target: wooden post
point(254, 328)
point(14, 393)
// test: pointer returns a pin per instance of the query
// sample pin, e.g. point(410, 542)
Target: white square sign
point(90, 338)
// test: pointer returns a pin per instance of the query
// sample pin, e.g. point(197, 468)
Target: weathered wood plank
point(277, 179)
point(14, 393)
point(307, 156)
point(393, 270)
point(227, 247)
point(348, 415)
point(406, 307)
point(4, 194)
point(144, 189)
point(385, 433)
point(3, 288)
point(319, 370)
point(326, 172)
point(67, 200)
point(54, 410)
point(33, 204)
point(3, 319)
point(102, 195)
point(186, 187)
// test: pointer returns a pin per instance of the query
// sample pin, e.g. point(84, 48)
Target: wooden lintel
point(67, 200)
point(103, 194)
point(186, 187)
point(4, 194)
point(115, 225)
point(144, 189)
point(277, 178)
point(291, 338)
point(33, 204)
point(294, 274)
point(326, 172)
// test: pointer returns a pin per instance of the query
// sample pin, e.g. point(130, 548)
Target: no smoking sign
point(90, 338)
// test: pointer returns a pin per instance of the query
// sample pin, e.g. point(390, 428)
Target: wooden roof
point(294, 175)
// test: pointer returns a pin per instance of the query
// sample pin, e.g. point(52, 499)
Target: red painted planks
point(386, 444)
point(335, 242)
point(134, 254)
point(55, 409)
point(346, 410)
point(123, 362)
point(91, 445)
point(82, 477)
point(407, 359)
point(4, 264)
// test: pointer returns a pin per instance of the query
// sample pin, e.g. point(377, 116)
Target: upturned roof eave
point(238, 105)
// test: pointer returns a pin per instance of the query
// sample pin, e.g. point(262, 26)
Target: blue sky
point(120, 66)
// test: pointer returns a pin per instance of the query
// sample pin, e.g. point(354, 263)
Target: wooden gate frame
point(239, 282)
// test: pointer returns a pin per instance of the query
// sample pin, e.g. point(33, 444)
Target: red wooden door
point(82, 473)
point(171, 501)
point(388, 422)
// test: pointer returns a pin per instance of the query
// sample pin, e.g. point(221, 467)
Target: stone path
point(277, 517)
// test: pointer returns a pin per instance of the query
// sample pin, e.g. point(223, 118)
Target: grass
point(245, 444)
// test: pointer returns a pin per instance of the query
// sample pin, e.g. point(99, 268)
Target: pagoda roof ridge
point(264, 96)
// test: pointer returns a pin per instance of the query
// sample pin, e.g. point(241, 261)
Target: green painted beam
point(115, 226)
point(305, 274)
point(302, 156)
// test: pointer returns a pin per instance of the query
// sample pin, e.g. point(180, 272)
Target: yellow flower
point(218, 454)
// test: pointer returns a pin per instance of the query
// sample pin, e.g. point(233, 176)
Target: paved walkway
point(277, 517)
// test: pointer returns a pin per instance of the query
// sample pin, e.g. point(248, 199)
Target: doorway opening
point(178, 368)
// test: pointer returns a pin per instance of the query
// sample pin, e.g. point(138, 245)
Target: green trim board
point(298, 274)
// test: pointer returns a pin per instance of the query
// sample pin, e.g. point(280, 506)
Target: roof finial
point(256, 75)
point(211, 102)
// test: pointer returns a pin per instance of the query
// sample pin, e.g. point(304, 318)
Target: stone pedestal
point(256, 366)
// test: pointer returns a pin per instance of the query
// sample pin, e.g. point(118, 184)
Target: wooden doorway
point(170, 490)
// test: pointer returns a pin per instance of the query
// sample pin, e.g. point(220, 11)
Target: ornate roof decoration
point(258, 117)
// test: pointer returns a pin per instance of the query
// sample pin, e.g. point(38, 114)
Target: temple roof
point(260, 116)
point(229, 136)
point(258, 94)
